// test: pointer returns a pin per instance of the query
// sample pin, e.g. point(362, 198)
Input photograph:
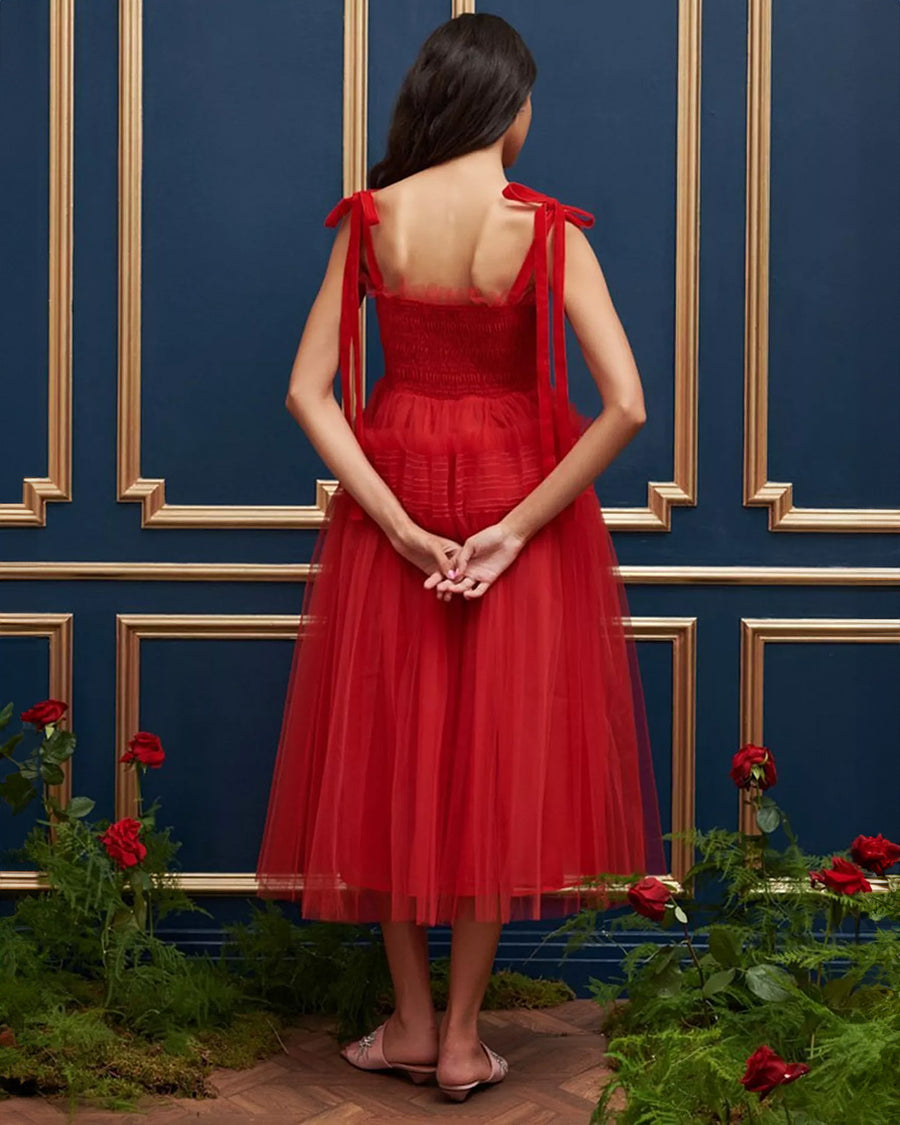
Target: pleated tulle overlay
point(492, 752)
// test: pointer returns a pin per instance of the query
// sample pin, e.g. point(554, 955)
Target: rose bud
point(843, 877)
point(649, 897)
point(742, 773)
point(766, 1070)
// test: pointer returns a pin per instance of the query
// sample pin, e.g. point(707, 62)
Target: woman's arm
point(312, 403)
point(608, 355)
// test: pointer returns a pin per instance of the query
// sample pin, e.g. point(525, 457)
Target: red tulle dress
point(494, 750)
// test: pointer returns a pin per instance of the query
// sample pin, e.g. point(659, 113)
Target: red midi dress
point(494, 750)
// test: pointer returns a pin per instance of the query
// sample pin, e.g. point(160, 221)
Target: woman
point(471, 747)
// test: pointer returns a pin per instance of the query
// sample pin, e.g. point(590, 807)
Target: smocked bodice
point(456, 349)
point(440, 348)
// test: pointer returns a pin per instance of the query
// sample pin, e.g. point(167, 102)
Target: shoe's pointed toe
point(367, 1053)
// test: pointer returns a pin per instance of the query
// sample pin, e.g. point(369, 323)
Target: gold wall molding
point(57, 484)
point(756, 633)
point(681, 633)
point(662, 496)
point(150, 492)
point(299, 572)
point(131, 484)
point(777, 496)
point(57, 628)
point(132, 629)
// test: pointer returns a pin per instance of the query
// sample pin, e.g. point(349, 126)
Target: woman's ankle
point(459, 1033)
point(417, 1022)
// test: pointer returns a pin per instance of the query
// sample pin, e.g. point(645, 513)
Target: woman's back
point(451, 301)
point(445, 231)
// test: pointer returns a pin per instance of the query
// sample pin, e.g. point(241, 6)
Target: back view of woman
point(464, 739)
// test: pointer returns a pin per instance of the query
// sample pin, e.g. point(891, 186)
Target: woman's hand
point(482, 558)
point(430, 553)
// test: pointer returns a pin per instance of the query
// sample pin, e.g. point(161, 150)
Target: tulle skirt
point(490, 754)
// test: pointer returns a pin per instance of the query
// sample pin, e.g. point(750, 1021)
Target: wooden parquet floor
point(556, 1072)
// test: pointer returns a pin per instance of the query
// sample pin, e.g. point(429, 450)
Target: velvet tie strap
point(363, 213)
point(552, 214)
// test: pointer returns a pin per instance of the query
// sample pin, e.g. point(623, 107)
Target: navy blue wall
point(242, 158)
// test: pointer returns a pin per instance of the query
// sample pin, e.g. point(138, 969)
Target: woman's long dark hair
point(468, 82)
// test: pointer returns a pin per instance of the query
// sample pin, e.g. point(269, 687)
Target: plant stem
point(693, 953)
point(706, 1000)
point(856, 915)
point(763, 839)
point(788, 831)
point(147, 909)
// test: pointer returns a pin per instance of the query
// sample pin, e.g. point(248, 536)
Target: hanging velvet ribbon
point(552, 214)
point(362, 213)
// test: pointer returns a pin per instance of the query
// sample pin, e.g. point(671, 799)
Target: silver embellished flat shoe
point(499, 1068)
point(367, 1053)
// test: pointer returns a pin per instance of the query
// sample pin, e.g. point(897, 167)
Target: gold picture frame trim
point(759, 491)
point(157, 512)
point(56, 486)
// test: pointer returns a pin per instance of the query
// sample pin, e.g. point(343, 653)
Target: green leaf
point(662, 973)
point(768, 817)
point(670, 985)
point(6, 715)
point(680, 915)
point(11, 743)
point(718, 981)
point(52, 773)
point(59, 747)
point(124, 919)
point(80, 806)
point(56, 755)
point(836, 991)
point(17, 791)
point(663, 959)
point(140, 879)
point(724, 946)
point(769, 982)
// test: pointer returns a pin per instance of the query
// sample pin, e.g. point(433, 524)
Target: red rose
point(843, 877)
point(766, 1070)
point(742, 773)
point(122, 843)
point(47, 711)
point(146, 749)
point(875, 853)
point(649, 897)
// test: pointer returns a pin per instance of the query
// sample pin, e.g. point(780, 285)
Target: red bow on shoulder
point(362, 213)
point(552, 213)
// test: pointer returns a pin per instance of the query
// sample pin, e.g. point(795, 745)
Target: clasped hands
point(468, 568)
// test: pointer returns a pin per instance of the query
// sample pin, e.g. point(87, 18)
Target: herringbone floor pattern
point(556, 1071)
